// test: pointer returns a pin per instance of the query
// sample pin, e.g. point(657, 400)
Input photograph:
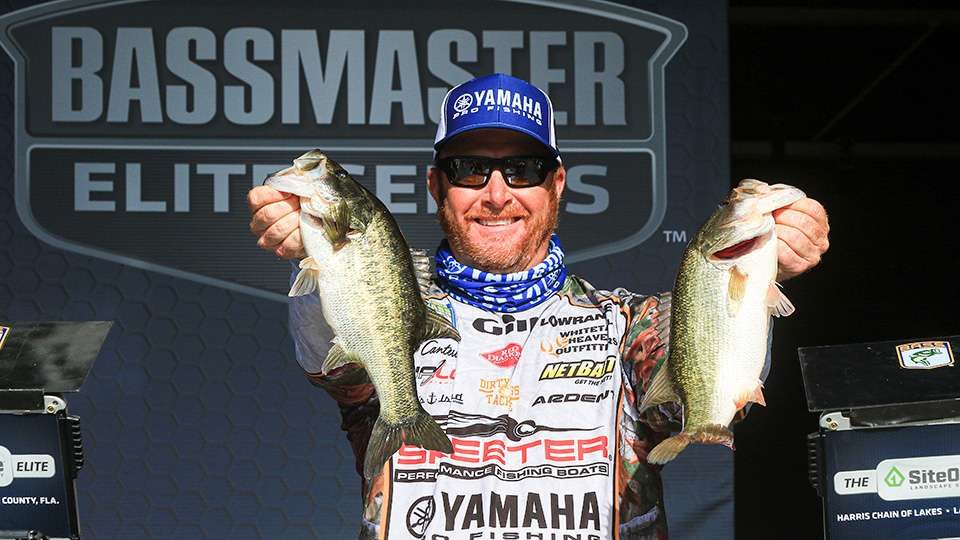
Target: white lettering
point(64, 73)
point(83, 186)
point(241, 107)
point(134, 51)
point(396, 51)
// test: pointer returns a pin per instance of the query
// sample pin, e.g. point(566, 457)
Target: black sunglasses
point(518, 171)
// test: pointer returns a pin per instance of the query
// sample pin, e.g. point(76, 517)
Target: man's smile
point(497, 222)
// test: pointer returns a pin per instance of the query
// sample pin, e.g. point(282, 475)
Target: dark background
point(856, 105)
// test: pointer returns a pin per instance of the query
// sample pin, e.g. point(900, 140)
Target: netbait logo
point(925, 355)
point(149, 122)
point(587, 369)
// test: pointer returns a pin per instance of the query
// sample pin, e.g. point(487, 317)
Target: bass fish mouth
point(741, 248)
point(737, 250)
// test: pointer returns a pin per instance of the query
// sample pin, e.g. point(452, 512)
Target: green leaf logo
point(894, 478)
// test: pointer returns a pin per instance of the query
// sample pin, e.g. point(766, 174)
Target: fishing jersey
point(541, 410)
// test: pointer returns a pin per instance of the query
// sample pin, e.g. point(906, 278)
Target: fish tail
point(710, 434)
point(426, 433)
point(386, 439)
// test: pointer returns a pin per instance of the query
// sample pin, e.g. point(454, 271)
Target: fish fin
point(710, 434)
point(421, 268)
point(668, 449)
point(386, 439)
point(336, 224)
point(780, 305)
point(664, 311)
point(713, 434)
point(437, 326)
point(751, 396)
point(306, 281)
point(660, 390)
point(736, 289)
point(338, 357)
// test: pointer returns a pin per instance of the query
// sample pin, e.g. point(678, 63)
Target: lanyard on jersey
point(505, 293)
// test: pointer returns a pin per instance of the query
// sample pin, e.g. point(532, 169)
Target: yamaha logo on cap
point(498, 101)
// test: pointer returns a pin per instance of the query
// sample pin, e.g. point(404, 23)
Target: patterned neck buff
point(505, 293)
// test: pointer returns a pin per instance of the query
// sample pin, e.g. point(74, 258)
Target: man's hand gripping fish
point(361, 266)
point(722, 301)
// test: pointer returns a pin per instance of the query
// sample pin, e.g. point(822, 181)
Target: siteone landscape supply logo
point(903, 479)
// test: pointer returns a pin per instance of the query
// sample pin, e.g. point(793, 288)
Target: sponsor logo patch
point(505, 357)
point(485, 451)
point(583, 369)
point(24, 466)
point(439, 374)
point(433, 398)
point(573, 398)
point(501, 473)
point(500, 392)
point(420, 514)
point(925, 355)
point(578, 513)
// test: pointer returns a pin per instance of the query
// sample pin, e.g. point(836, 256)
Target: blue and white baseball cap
point(497, 101)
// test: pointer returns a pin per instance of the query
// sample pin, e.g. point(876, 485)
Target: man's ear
point(434, 180)
point(559, 180)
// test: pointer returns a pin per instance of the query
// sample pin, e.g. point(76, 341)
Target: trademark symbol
point(674, 237)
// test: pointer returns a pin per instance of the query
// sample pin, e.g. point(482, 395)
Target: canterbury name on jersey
point(540, 409)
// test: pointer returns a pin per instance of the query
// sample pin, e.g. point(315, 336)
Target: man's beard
point(498, 258)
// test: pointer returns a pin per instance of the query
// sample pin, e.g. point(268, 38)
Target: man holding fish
point(557, 399)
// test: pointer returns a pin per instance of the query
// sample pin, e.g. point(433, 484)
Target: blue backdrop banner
point(132, 131)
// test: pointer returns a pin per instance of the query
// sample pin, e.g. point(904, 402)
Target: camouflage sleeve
point(349, 385)
point(645, 350)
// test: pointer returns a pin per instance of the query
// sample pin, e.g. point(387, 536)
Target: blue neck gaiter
point(505, 293)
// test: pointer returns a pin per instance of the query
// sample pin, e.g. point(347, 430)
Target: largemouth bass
point(722, 302)
point(359, 263)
